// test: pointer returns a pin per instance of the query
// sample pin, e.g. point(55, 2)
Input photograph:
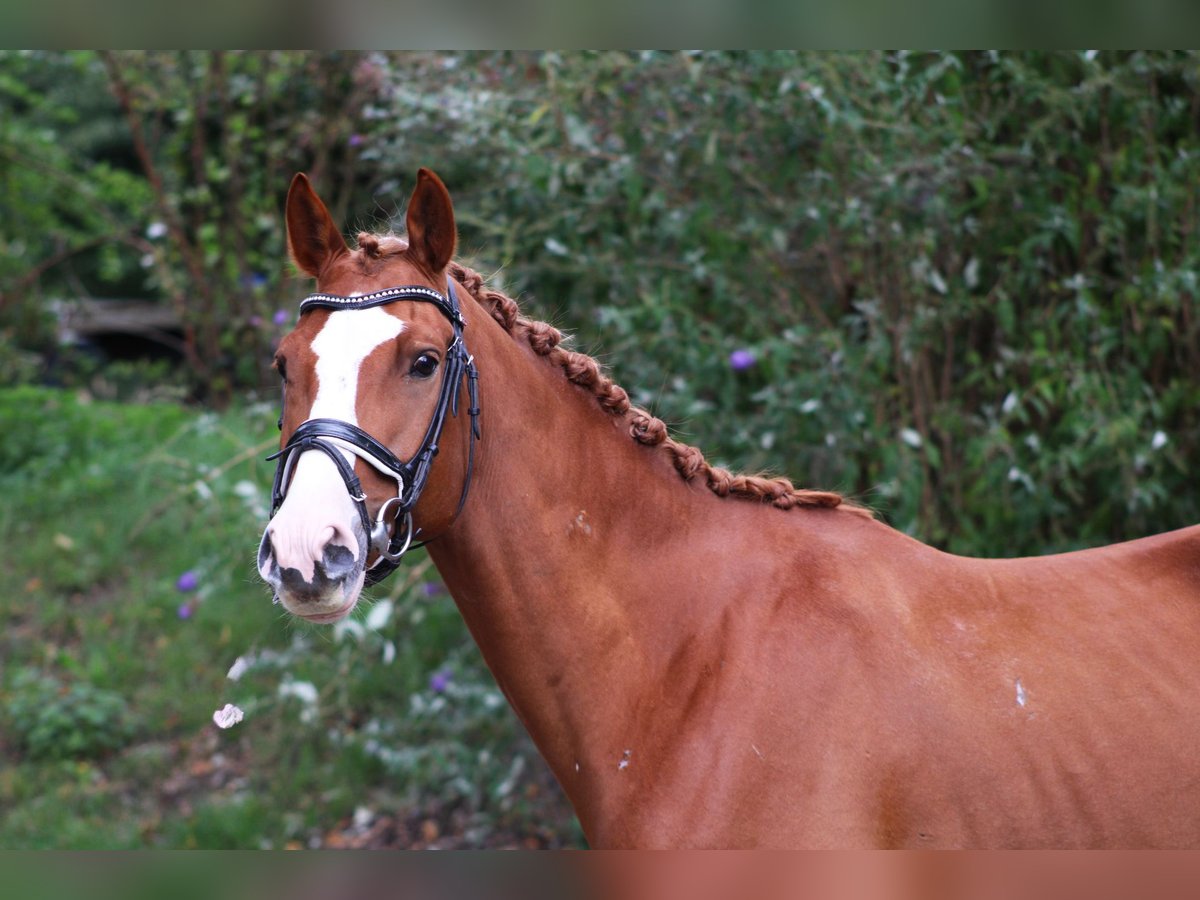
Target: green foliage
point(114, 663)
point(63, 197)
point(154, 173)
point(217, 136)
point(50, 720)
point(18, 365)
point(967, 278)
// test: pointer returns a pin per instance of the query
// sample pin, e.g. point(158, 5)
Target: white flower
point(1159, 440)
point(246, 489)
point(937, 282)
point(971, 273)
point(304, 691)
point(1018, 476)
point(348, 628)
point(379, 615)
point(911, 436)
point(228, 716)
point(238, 669)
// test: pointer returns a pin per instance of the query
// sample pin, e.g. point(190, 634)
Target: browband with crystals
point(446, 303)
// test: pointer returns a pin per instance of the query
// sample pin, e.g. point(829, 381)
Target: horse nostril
point(267, 567)
point(328, 565)
point(337, 561)
point(334, 543)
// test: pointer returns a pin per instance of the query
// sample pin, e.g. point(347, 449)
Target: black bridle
point(332, 436)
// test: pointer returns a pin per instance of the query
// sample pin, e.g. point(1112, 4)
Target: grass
point(113, 665)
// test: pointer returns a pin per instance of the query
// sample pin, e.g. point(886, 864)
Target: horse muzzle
point(319, 578)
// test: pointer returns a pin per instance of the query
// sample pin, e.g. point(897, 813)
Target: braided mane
point(643, 427)
point(584, 371)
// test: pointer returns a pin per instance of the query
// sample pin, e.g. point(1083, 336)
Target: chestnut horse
point(706, 659)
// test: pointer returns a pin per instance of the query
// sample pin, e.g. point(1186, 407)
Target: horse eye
point(281, 368)
point(425, 365)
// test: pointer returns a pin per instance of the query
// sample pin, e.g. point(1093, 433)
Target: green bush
point(967, 279)
point(129, 533)
point(50, 720)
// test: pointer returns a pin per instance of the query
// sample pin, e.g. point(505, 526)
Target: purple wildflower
point(356, 140)
point(186, 609)
point(741, 360)
point(187, 582)
point(440, 681)
point(431, 588)
point(281, 317)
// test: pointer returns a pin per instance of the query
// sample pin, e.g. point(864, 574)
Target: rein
point(333, 436)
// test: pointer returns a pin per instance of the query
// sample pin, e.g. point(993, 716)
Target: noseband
point(332, 436)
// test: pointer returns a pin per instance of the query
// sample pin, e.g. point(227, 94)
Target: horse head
point(369, 373)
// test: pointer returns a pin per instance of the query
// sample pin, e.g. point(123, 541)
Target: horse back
point(1051, 700)
point(873, 691)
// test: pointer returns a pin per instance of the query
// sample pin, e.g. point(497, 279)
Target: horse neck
point(554, 561)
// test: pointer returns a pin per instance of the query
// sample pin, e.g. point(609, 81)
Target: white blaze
point(347, 339)
point(317, 502)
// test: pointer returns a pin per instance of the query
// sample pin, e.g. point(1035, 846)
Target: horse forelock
point(644, 427)
point(375, 248)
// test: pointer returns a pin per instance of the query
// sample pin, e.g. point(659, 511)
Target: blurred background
point(960, 287)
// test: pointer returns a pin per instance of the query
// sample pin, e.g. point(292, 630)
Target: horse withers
point(704, 658)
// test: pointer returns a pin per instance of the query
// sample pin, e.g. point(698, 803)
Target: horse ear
point(430, 223)
point(313, 238)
